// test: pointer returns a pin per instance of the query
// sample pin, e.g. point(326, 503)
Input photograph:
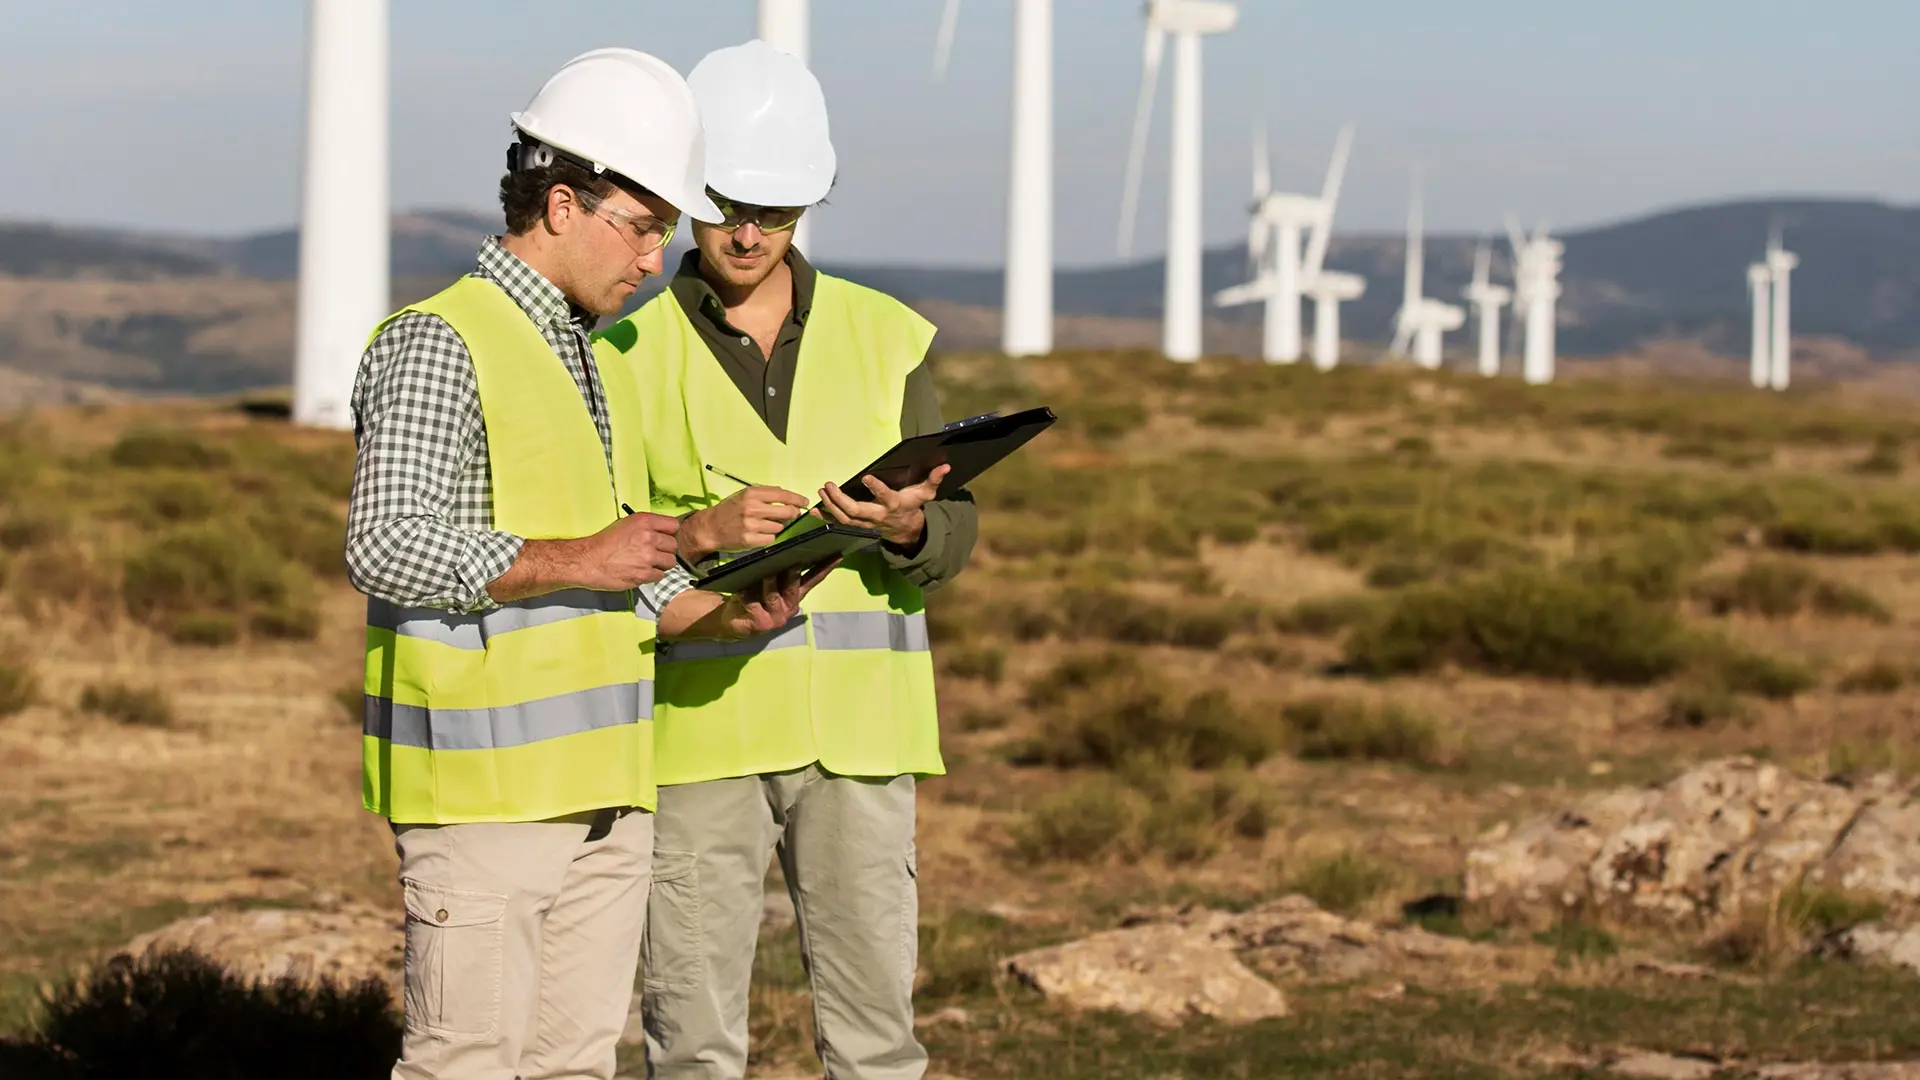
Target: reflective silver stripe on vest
point(507, 725)
point(871, 630)
point(472, 631)
point(791, 636)
point(837, 630)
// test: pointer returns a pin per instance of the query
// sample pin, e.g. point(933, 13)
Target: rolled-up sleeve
point(953, 521)
point(417, 424)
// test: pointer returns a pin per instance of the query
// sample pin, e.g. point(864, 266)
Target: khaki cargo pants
point(521, 944)
point(846, 846)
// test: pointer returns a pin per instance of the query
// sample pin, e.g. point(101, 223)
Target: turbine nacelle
point(1334, 285)
point(1191, 16)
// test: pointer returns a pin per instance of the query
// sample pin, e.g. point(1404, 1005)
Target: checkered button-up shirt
point(420, 524)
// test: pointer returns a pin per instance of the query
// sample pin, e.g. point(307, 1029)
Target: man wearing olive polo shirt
point(762, 378)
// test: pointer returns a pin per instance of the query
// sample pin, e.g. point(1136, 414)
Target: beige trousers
point(522, 940)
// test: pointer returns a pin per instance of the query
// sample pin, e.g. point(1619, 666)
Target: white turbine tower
point(343, 291)
point(1760, 284)
point(1026, 313)
point(1281, 272)
point(1186, 21)
point(1421, 321)
point(1781, 262)
point(1536, 291)
point(783, 25)
point(1487, 299)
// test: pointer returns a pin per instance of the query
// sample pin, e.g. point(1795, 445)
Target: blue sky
point(186, 115)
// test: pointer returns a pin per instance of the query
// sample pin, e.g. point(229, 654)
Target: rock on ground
point(346, 945)
point(1175, 963)
point(1878, 942)
point(1164, 971)
point(1887, 1070)
point(1653, 1066)
point(1721, 837)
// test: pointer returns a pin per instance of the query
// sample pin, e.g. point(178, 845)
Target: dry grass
point(1515, 572)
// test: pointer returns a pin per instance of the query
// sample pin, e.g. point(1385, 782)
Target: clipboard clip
point(970, 421)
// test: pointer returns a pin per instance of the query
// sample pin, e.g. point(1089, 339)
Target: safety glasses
point(644, 233)
point(770, 219)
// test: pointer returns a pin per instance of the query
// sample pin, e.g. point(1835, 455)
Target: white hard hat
point(766, 122)
point(624, 111)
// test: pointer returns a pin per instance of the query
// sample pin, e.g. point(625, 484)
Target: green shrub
point(1342, 883)
point(985, 662)
point(18, 688)
point(1399, 573)
point(197, 583)
point(1101, 711)
point(175, 1013)
point(1182, 829)
point(1575, 939)
point(1875, 677)
point(1701, 704)
point(208, 628)
point(124, 704)
point(1109, 419)
point(28, 526)
point(1243, 803)
point(172, 499)
point(1230, 415)
point(1522, 622)
point(1820, 912)
point(286, 622)
point(309, 534)
point(1324, 616)
point(157, 448)
point(1777, 590)
point(1743, 671)
point(1348, 729)
point(1079, 824)
point(1884, 460)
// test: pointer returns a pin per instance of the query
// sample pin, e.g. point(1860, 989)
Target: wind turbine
point(1780, 263)
point(343, 289)
point(783, 25)
point(1760, 284)
point(1186, 21)
point(1281, 273)
point(1536, 289)
point(1487, 299)
point(1421, 321)
point(1026, 311)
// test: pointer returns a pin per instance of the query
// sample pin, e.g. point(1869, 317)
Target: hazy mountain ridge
point(146, 311)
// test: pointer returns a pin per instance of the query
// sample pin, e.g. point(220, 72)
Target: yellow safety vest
point(849, 684)
point(540, 707)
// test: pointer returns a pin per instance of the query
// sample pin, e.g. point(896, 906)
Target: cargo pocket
point(454, 945)
point(910, 917)
point(675, 937)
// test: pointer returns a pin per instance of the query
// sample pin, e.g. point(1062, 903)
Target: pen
point(731, 477)
point(676, 547)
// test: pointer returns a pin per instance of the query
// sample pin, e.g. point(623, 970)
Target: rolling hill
point(156, 312)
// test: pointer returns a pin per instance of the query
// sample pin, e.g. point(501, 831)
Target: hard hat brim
point(694, 203)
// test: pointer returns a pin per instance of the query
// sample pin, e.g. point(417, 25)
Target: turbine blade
point(1236, 295)
point(1142, 117)
point(1482, 264)
point(1262, 162)
point(1416, 248)
point(1316, 256)
point(943, 49)
point(1517, 239)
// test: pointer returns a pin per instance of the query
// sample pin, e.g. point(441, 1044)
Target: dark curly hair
point(523, 192)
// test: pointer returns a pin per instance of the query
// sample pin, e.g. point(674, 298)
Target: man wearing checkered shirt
point(508, 666)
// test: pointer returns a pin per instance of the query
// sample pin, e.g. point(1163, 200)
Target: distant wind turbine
point(1027, 308)
point(1421, 321)
point(1781, 263)
point(1536, 291)
point(344, 206)
point(1186, 21)
point(1487, 299)
point(783, 24)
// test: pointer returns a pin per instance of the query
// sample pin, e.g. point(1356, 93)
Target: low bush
point(984, 662)
point(1129, 713)
point(1778, 590)
point(1349, 729)
point(1325, 616)
point(198, 583)
point(1523, 622)
point(1701, 704)
point(1081, 823)
point(1342, 883)
point(18, 688)
point(1875, 677)
point(180, 1014)
point(161, 448)
point(139, 707)
point(1743, 671)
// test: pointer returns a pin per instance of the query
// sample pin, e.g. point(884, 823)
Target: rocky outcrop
point(346, 946)
point(1163, 971)
point(1877, 943)
point(1722, 837)
point(1175, 964)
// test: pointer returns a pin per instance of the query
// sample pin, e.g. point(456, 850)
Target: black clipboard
point(970, 446)
point(804, 551)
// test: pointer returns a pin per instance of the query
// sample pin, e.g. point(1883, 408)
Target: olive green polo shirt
point(953, 522)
